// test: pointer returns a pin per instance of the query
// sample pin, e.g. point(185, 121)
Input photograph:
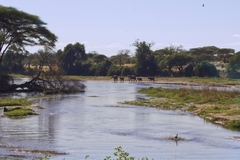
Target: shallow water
point(94, 123)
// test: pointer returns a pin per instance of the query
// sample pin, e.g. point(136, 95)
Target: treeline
point(207, 61)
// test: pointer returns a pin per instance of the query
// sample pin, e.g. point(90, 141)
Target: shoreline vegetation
point(17, 107)
point(221, 82)
point(219, 107)
point(204, 81)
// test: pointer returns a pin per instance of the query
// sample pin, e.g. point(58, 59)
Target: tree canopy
point(145, 59)
point(22, 29)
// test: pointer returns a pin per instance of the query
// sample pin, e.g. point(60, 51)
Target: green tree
point(146, 64)
point(234, 63)
point(224, 54)
point(13, 62)
point(204, 53)
point(125, 71)
point(162, 58)
point(178, 60)
point(168, 51)
point(102, 68)
point(22, 29)
point(98, 58)
point(47, 57)
point(206, 69)
point(72, 56)
point(114, 70)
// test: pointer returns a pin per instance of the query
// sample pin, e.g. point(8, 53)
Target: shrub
point(206, 69)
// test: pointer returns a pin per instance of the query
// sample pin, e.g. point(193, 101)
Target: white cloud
point(236, 35)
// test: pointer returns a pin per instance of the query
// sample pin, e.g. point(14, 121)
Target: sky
point(108, 26)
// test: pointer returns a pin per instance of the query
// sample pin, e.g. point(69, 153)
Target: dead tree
point(42, 83)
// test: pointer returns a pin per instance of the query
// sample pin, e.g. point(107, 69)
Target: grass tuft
point(19, 111)
point(15, 102)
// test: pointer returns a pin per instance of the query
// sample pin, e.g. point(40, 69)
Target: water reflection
point(93, 123)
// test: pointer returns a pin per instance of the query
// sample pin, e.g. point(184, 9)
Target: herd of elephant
point(132, 78)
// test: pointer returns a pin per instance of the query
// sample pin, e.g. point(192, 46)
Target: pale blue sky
point(107, 26)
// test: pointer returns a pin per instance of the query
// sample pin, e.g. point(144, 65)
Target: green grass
point(183, 95)
point(15, 102)
point(225, 81)
point(19, 111)
point(235, 124)
point(221, 107)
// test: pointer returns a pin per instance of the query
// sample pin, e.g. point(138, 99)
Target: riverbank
point(227, 82)
point(204, 81)
point(219, 107)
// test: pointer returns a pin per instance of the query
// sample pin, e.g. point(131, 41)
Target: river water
point(94, 123)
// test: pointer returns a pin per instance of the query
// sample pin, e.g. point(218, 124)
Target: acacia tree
point(22, 29)
point(224, 53)
point(98, 58)
point(204, 53)
point(178, 60)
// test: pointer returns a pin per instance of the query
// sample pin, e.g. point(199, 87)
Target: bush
point(189, 70)
point(114, 70)
point(127, 71)
point(206, 69)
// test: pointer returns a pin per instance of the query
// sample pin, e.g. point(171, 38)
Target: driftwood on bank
point(48, 84)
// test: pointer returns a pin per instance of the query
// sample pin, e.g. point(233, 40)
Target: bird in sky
point(203, 4)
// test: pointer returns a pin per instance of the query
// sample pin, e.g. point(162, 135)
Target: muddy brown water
point(94, 123)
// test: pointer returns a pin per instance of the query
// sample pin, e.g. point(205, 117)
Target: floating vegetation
point(19, 112)
point(236, 138)
point(175, 138)
point(53, 153)
point(117, 106)
point(39, 107)
point(15, 102)
point(93, 96)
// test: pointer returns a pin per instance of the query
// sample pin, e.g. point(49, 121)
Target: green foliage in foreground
point(235, 124)
point(119, 154)
point(15, 102)
point(18, 111)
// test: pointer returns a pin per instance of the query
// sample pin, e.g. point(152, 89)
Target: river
point(94, 123)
